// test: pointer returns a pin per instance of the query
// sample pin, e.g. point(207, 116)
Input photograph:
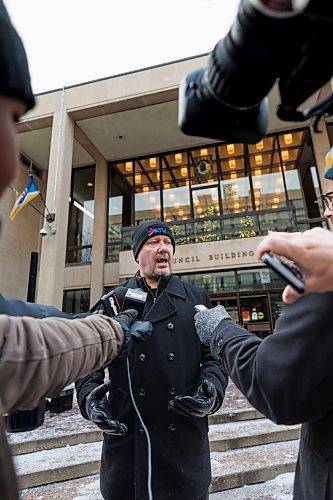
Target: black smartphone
point(286, 269)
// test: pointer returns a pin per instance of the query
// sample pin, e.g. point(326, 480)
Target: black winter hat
point(148, 229)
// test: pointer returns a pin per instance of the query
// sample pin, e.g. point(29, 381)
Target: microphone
point(119, 299)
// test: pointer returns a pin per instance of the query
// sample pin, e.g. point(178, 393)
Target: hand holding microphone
point(123, 305)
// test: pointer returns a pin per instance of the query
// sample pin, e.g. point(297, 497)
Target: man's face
point(155, 257)
point(10, 111)
point(328, 200)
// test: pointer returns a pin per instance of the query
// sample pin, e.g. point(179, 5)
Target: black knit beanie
point(148, 229)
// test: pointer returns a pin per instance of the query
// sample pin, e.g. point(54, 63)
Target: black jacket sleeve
point(16, 307)
point(212, 369)
point(288, 376)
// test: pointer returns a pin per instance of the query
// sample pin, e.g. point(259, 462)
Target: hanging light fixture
point(288, 138)
point(258, 159)
point(285, 154)
point(178, 158)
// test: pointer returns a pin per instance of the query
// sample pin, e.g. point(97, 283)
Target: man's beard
point(157, 275)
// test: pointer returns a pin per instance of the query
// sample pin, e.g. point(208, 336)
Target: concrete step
point(230, 469)
point(87, 488)
point(236, 468)
point(70, 428)
point(243, 434)
point(70, 459)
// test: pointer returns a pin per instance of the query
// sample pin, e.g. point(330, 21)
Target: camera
point(43, 232)
point(227, 100)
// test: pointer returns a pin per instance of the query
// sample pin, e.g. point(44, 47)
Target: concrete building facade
point(108, 155)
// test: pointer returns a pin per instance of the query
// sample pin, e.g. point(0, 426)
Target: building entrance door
point(256, 315)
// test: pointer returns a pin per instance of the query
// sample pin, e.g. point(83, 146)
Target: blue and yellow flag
point(329, 158)
point(29, 193)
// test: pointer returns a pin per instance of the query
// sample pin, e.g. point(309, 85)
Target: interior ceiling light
point(258, 159)
point(288, 138)
point(183, 172)
point(90, 184)
point(138, 178)
point(285, 154)
point(178, 158)
point(204, 152)
point(232, 163)
point(128, 166)
point(260, 145)
point(231, 149)
point(152, 162)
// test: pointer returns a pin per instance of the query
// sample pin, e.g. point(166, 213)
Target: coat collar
point(164, 305)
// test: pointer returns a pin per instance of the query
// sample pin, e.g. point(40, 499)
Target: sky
point(69, 42)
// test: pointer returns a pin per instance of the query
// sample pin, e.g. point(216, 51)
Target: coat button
point(220, 343)
point(142, 393)
point(170, 356)
point(172, 391)
point(140, 430)
point(172, 427)
point(170, 326)
point(142, 357)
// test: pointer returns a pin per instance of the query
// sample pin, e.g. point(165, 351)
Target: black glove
point(97, 410)
point(204, 401)
point(138, 330)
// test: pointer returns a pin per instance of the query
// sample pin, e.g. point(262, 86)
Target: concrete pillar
point(53, 251)
point(99, 234)
point(321, 145)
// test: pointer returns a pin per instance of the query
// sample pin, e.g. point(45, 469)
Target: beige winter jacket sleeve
point(38, 357)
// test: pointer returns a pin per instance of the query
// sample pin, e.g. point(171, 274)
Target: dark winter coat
point(288, 377)
point(170, 363)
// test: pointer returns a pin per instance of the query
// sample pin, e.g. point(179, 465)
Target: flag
point(329, 158)
point(29, 193)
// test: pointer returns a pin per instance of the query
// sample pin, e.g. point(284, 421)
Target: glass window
point(176, 193)
point(147, 202)
point(76, 301)
point(81, 216)
point(115, 212)
point(213, 282)
point(259, 279)
point(235, 192)
point(120, 196)
point(203, 166)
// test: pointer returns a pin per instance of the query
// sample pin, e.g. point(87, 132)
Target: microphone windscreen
point(113, 301)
